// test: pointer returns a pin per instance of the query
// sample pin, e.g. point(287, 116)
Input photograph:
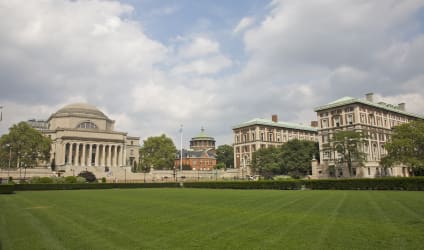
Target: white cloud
point(198, 47)
point(301, 55)
point(204, 66)
point(244, 23)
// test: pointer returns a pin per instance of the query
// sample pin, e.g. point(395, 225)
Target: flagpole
point(181, 149)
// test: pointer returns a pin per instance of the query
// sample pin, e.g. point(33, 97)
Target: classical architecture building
point(83, 137)
point(201, 155)
point(261, 133)
point(374, 120)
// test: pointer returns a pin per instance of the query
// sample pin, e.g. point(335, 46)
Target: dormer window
point(87, 125)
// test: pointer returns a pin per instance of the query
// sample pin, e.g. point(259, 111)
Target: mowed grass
point(212, 219)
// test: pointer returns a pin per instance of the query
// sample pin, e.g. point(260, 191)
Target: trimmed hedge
point(281, 185)
point(388, 183)
point(72, 186)
point(411, 183)
point(7, 189)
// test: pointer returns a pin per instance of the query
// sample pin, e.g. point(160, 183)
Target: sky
point(152, 65)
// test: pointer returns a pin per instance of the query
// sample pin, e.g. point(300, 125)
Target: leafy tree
point(25, 146)
point(296, 156)
point(267, 161)
point(220, 166)
point(157, 152)
point(406, 146)
point(293, 158)
point(225, 155)
point(349, 146)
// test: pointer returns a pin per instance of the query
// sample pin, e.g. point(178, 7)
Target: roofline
point(356, 100)
point(275, 124)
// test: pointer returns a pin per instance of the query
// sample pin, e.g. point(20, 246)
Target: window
point(350, 119)
point(262, 136)
point(324, 123)
point(325, 139)
point(253, 136)
point(337, 121)
point(88, 125)
point(270, 137)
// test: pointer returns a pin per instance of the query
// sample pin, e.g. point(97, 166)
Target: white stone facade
point(260, 133)
point(374, 120)
point(83, 136)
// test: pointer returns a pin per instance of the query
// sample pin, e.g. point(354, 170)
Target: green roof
point(202, 135)
point(265, 122)
point(350, 100)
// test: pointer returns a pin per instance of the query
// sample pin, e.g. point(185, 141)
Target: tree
point(225, 155)
point(296, 156)
point(158, 152)
point(293, 158)
point(267, 161)
point(348, 144)
point(24, 146)
point(406, 146)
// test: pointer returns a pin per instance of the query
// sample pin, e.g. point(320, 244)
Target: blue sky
point(153, 65)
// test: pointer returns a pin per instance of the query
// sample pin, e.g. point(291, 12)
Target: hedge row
point(281, 185)
point(7, 189)
point(71, 186)
point(412, 183)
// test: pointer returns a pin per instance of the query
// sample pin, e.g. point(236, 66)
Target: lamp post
point(181, 148)
point(10, 158)
point(125, 175)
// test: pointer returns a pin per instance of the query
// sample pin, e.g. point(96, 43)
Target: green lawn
point(211, 219)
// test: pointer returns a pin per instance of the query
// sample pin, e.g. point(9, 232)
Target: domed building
point(83, 138)
point(201, 155)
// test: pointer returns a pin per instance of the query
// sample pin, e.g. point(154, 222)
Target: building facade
point(261, 133)
point(374, 120)
point(84, 137)
point(201, 155)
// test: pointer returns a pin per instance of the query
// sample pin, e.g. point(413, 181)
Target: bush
point(103, 179)
point(71, 179)
point(389, 183)
point(81, 179)
point(53, 186)
point(7, 188)
point(282, 185)
point(89, 176)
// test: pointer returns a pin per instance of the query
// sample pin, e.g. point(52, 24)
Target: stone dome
point(79, 110)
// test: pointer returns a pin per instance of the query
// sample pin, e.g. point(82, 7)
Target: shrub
point(80, 179)
point(103, 179)
point(89, 176)
point(7, 188)
point(71, 179)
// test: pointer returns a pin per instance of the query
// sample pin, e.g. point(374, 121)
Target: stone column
point(63, 154)
point(102, 160)
point(115, 158)
point(83, 155)
point(70, 154)
point(124, 156)
point(96, 159)
point(120, 156)
point(109, 154)
point(77, 145)
point(90, 154)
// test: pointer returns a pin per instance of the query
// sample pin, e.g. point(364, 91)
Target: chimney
point(314, 124)
point(402, 106)
point(274, 118)
point(368, 97)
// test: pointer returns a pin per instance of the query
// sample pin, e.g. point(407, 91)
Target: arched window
point(89, 125)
